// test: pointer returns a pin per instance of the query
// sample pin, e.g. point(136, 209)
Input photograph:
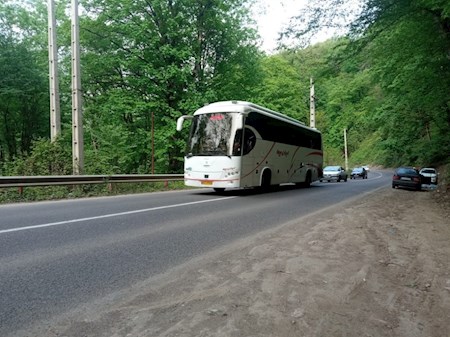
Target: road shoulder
point(377, 267)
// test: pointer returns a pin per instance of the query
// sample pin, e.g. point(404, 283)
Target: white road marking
point(380, 174)
point(108, 215)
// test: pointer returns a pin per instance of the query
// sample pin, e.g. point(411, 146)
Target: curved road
point(58, 255)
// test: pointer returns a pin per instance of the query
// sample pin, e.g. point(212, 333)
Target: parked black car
point(407, 177)
point(358, 172)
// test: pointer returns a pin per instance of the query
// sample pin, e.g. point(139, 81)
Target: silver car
point(334, 173)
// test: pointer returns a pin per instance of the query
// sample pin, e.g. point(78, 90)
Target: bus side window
point(249, 140)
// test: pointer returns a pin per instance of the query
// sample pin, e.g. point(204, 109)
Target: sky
point(273, 15)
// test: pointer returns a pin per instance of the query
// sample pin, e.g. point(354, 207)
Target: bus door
point(249, 177)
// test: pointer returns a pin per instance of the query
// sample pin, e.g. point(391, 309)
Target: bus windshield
point(210, 135)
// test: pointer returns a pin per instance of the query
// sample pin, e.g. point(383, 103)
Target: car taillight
point(416, 179)
point(395, 177)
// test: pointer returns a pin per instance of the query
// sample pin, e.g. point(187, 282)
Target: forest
point(146, 62)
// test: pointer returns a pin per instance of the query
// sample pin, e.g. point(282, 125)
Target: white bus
point(236, 144)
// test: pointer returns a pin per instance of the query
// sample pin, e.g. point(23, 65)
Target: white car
point(334, 173)
point(429, 175)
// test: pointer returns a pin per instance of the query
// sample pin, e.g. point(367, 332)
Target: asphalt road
point(60, 255)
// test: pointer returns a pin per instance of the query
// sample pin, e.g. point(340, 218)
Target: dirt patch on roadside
point(377, 267)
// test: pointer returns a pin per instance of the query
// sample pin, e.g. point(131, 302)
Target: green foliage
point(148, 63)
point(54, 158)
point(281, 88)
point(368, 151)
point(8, 195)
point(387, 85)
point(409, 60)
point(23, 98)
point(143, 65)
point(47, 158)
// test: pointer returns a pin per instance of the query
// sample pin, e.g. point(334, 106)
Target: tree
point(409, 44)
point(23, 99)
point(401, 48)
point(24, 107)
point(283, 88)
point(164, 58)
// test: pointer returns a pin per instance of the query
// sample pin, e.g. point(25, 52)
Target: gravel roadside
point(376, 267)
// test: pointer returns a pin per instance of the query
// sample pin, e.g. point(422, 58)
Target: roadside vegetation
point(146, 63)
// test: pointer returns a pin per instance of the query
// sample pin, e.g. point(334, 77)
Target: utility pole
point(312, 105)
point(55, 110)
point(345, 149)
point(77, 113)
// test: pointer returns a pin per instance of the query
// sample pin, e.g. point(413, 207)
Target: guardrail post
point(166, 184)
point(20, 190)
point(110, 187)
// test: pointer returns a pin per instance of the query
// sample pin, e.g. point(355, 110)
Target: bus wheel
point(307, 182)
point(265, 181)
point(218, 189)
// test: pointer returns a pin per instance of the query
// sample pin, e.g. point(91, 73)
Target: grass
point(27, 194)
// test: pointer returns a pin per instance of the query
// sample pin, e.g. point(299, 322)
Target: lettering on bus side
point(282, 153)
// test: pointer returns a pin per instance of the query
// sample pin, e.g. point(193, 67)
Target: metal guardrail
point(11, 181)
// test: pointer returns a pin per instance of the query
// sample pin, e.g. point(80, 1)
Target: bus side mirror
point(180, 121)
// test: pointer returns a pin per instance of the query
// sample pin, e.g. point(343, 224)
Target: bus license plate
point(207, 182)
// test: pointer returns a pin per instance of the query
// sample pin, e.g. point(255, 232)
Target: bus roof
point(246, 107)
